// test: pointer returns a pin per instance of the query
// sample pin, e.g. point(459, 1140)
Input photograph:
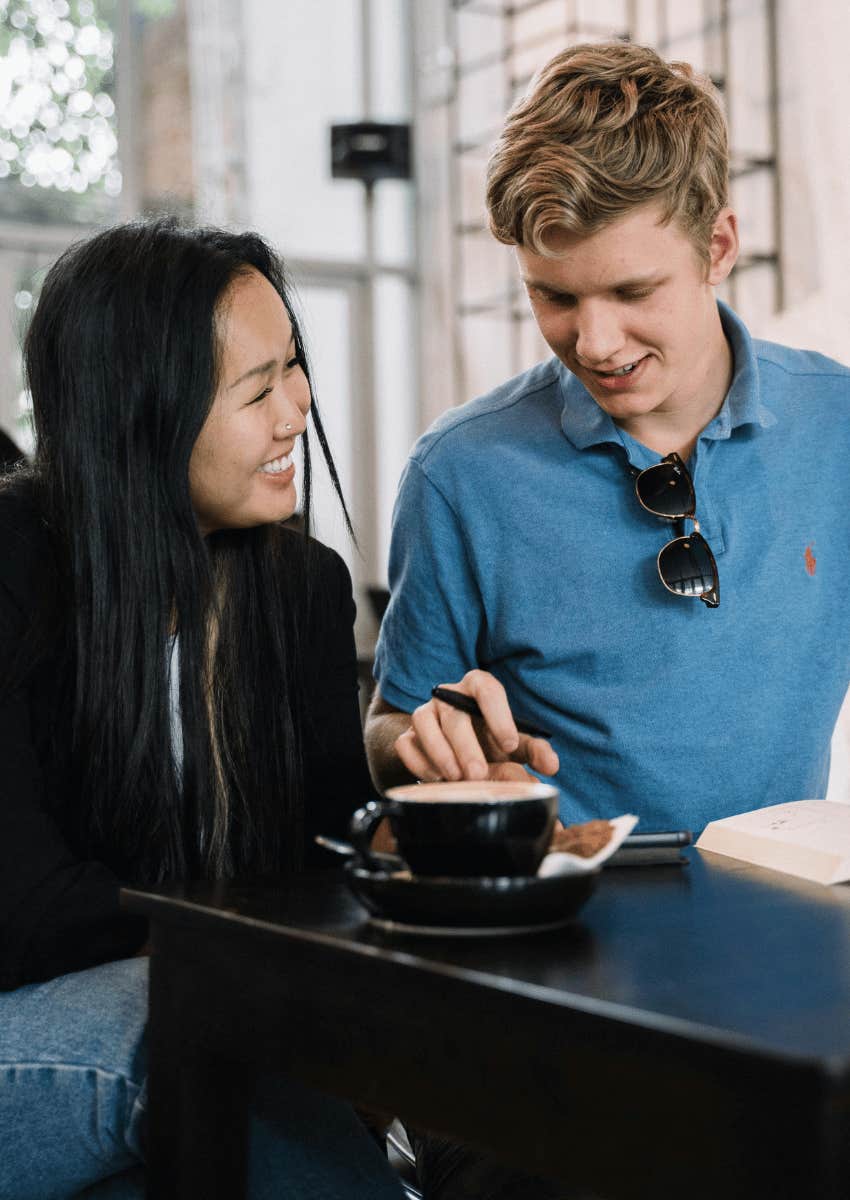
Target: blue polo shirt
point(519, 547)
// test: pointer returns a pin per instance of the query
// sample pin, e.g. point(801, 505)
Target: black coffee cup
point(468, 828)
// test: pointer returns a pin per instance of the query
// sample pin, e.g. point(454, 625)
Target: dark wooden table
point(688, 1036)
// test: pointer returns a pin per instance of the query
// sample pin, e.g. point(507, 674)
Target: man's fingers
point(509, 772)
point(466, 760)
point(444, 742)
point(433, 743)
point(407, 748)
point(460, 732)
point(417, 762)
point(537, 753)
point(493, 702)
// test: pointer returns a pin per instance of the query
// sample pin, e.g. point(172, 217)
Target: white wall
point(307, 65)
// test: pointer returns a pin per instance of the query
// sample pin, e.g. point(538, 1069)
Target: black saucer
point(468, 906)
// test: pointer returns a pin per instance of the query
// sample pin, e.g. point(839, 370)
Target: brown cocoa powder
point(584, 840)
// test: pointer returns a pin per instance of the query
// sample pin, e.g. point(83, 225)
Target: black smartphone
point(651, 849)
point(678, 837)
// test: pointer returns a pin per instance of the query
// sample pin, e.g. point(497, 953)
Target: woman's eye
point(265, 392)
point(635, 295)
point(293, 363)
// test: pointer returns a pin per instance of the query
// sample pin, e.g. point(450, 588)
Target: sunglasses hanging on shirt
point(686, 565)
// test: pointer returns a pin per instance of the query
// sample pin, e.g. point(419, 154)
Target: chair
point(402, 1160)
point(130, 1185)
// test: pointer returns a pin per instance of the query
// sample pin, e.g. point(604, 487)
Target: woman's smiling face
point(240, 471)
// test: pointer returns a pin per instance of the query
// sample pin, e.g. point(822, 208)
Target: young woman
point(178, 694)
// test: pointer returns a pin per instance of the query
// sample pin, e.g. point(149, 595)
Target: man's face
point(631, 310)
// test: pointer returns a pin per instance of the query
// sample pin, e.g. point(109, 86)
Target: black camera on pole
point(369, 151)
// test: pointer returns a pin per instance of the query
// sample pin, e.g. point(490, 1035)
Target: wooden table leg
point(198, 1108)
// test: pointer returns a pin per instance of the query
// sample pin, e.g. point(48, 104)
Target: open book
point(809, 838)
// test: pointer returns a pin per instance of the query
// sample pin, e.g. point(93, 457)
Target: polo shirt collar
point(585, 424)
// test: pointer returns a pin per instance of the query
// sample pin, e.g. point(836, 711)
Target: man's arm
point(439, 742)
point(384, 725)
point(435, 590)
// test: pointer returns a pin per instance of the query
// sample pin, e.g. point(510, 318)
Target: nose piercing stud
point(287, 427)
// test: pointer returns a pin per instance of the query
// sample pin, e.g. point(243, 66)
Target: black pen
point(468, 705)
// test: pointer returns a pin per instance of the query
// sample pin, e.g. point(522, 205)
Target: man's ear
point(723, 252)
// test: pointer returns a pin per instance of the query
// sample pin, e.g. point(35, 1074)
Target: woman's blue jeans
point(72, 1104)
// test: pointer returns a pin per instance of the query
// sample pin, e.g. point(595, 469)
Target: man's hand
point(444, 743)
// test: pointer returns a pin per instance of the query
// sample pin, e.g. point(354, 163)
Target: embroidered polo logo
point(811, 561)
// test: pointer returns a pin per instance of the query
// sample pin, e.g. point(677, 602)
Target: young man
point(526, 571)
point(528, 566)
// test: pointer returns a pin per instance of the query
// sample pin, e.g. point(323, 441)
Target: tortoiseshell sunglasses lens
point(686, 565)
point(666, 490)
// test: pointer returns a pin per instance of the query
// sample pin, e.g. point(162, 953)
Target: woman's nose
point(292, 413)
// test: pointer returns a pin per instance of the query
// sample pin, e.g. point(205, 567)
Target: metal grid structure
point(495, 50)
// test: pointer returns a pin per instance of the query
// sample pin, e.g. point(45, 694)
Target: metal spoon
point(346, 850)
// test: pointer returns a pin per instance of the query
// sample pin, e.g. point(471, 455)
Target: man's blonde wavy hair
point(603, 129)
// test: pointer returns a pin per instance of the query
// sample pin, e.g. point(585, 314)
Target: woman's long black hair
point(121, 360)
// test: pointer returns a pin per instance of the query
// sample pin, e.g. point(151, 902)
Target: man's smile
point(618, 378)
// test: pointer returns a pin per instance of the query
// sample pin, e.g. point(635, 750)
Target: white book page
point(819, 824)
point(808, 838)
